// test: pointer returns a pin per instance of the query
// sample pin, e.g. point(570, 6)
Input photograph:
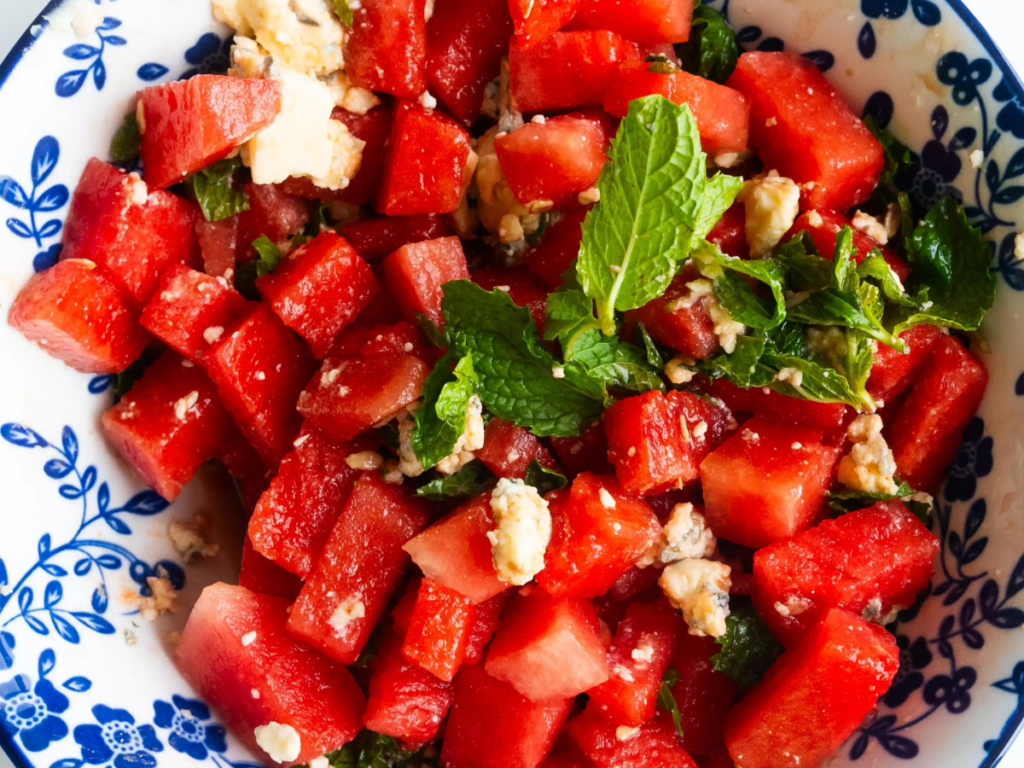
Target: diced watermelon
point(456, 552)
point(721, 113)
point(359, 568)
point(466, 40)
point(566, 760)
point(534, 20)
point(265, 577)
point(349, 395)
point(638, 657)
point(805, 130)
point(134, 234)
point(767, 481)
point(654, 745)
point(611, 606)
point(775, 405)
point(188, 124)
point(297, 512)
point(548, 648)
point(483, 627)
point(405, 701)
point(925, 434)
point(76, 314)
point(237, 655)
point(416, 272)
point(891, 371)
point(259, 367)
point(387, 48)
point(557, 250)
point(493, 726)
point(586, 453)
point(168, 424)
point(218, 244)
point(703, 695)
point(824, 226)
point(730, 232)
point(508, 450)
point(376, 340)
point(679, 324)
point(240, 458)
point(814, 696)
point(522, 287)
point(597, 535)
point(865, 562)
point(427, 153)
point(185, 304)
point(548, 164)
point(273, 213)
point(567, 70)
point(438, 629)
point(646, 21)
point(376, 238)
point(718, 758)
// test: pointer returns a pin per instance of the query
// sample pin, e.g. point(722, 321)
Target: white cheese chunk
point(869, 466)
point(685, 535)
point(700, 589)
point(522, 532)
point(772, 204)
point(348, 610)
point(281, 742)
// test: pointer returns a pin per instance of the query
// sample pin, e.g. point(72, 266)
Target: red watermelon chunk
point(814, 696)
point(483, 627)
point(703, 695)
point(548, 648)
point(387, 48)
point(646, 21)
point(273, 213)
point(456, 552)
point(925, 433)
point(168, 424)
point(508, 450)
point(730, 232)
point(547, 164)
point(493, 726)
point(597, 535)
point(376, 238)
point(240, 458)
point(218, 244)
point(805, 130)
point(438, 630)
point(359, 568)
point(557, 250)
point(237, 655)
point(721, 113)
point(638, 658)
point(185, 304)
point(133, 233)
point(188, 124)
point(76, 314)
point(767, 481)
point(775, 405)
point(676, 323)
point(534, 20)
point(653, 745)
point(259, 367)
point(891, 371)
point(265, 577)
point(586, 453)
point(567, 70)
point(416, 272)
point(427, 153)
point(865, 562)
point(824, 227)
point(399, 338)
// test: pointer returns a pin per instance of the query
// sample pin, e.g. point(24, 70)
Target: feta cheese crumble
point(348, 610)
point(871, 227)
point(626, 732)
point(700, 589)
point(677, 372)
point(727, 329)
point(772, 203)
point(522, 532)
point(364, 460)
point(685, 535)
point(471, 439)
point(183, 405)
point(977, 158)
point(190, 538)
point(869, 466)
point(248, 639)
point(163, 598)
point(281, 742)
point(590, 195)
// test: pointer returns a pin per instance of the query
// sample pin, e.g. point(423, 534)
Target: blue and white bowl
point(84, 681)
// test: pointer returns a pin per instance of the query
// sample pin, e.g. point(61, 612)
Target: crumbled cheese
point(623, 673)
point(281, 742)
point(320, 762)
point(212, 334)
point(872, 610)
point(977, 158)
point(1018, 247)
point(700, 589)
point(869, 466)
point(729, 159)
point(537, 119)
point(626, 732)
point(162, 599)
point(793, 606)
point(677, 372)
point(248, 638)
point(727, 328)
point(254, 693)
point(392, 473)
point(871, 227)
point(797, 446)
point(471, 439)
point(772, 204)
point(558, 371)
point(190, 538)
point(699, 430)
point(348, 610)
point(815, 220)
point(499, 210)
point(607, 500)
point(5, 590)
point(588, 196)
point(642, 654)
point(685, 535)
point(300, 440)
point(428, 9)
point(130, 638)
point(183, 405)
point(427, 101)
point(139, 192)
point(771, 122)
point(364, 460)
point(790, 375)
point(522, 532)
point(893, 220)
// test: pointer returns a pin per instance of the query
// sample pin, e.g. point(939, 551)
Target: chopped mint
point(469, 481)
point(247, 271)
point(216, 190)
point(803, 268)
point(848, 500)
point(736, 294)
point(543, 479)
point(344, 12)
point(654, 356)
point(441, 419)
point(125, 145)
point(430, 330)
point(667, 701)
point(898, 158)
point(748, 647)
point(375, 750)
point(126, 379)
point(711, 51)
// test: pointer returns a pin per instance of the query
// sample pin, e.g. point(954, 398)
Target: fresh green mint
point(848, 500)
point(246, 273)
point(736, 294)
point(667, 701)
point(711, 51)
point(125, 145)
point(898, 158)
point(543, 479)
point(344, 12)
point(472, 479)
point(748, 647)
point(441, 419)
point(375, 750)
point(216, 190)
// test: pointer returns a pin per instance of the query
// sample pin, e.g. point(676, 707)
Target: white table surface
point(1004, 19)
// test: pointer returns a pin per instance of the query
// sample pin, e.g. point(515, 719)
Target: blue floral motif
point(117, 739)
point(191, 734)
point(925, 11)
point(1011, 116)
point(71, 82)
point(1014, 684)
point(209, 54)
point(929, 176)
point(973, 460)
point(37, 200)
point(914, 656)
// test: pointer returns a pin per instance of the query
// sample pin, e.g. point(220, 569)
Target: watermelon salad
point(585, 381)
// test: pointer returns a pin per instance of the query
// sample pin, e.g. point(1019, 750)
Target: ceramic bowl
point(84, 681)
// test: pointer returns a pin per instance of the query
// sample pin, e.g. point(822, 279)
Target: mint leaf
point(472, 479)
point(247, 271)
point(803, 268)
point(847, 500)
point(654, 356)
point(667, 701)
point(651, 192)
point(742, 366)
point(125, 144)
point(270, 256)
point(875, 267)
point(515, 369)
point(736, 294)
point(441, 419)
point(215, 190)
point(344, 13)
point(375, 750)
point(431, 332)
point(543, 479)
point(719, 195)
point(748, 647)
point(126, 379)
point(898, 158)
point(711, 51)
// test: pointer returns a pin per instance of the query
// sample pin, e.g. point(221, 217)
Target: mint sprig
point(216, 190)
point(441, 419)
point(748, 647)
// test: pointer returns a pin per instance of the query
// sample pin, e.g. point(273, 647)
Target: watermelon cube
point(265, 577)
point(638, 657)
point(218, 244)
point(548, 164)
point(814, 696)
point(76, 314)
point(416, 272)
point(805, 130)
point(387, 48)
point(548, 648)
point(653, 745)
point(273, 213)
point(597, 535)
point(567, 70)
point(534, 20)
point(399, 338)
point(359, 568)
point(557, 250)
point(865, 562)
point(483, 627)
point(925, 434)
point(586, 453)
point(168, 424)
point(456, 552)
point(767, 482)
point(824, 227)
point(508, 450)
point(676, 322)
point(427, 153)
point(259, 367)
point(775, 405)
point(133, 233)
point(730, 232)
point(237, 655)
point(721, 113)
point(186, 303)
point(188, 124)
point(493, 726)
point(646, 21)
point(376, 238)
point(240, 458)
point(891, 371)
point(703, 695)
point(438, 630)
